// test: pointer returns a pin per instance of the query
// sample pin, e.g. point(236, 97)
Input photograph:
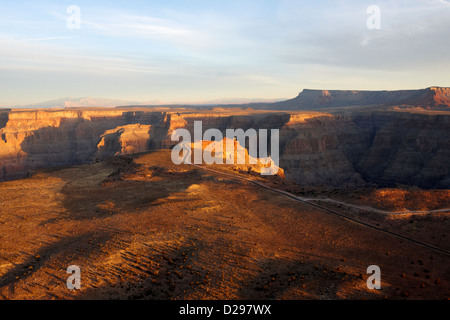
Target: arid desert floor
point(142, 228)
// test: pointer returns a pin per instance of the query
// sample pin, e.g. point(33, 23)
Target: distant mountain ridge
point(429, 98)
point(92, 102)
point(85, 102)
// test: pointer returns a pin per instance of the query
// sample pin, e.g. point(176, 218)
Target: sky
point(193, 51)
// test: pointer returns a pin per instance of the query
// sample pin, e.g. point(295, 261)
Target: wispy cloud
point(128, 25)
point(48, 39)
point(36, 54)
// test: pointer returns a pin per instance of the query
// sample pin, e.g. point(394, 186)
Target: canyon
point(336, 143)
point(357, 185)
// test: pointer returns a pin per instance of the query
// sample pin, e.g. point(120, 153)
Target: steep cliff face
point(3, 119)
point(316, 151)
point(315, 148)
point(40, 139)
point(161, 131)
point(407, 149)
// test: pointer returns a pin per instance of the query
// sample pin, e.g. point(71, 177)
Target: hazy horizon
point(196, 52)
point(111, 102)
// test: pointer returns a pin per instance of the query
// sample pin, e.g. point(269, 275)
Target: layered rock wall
point(318, 149)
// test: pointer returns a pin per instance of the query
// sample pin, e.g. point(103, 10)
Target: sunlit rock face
point(229, 152)
point(129, 139)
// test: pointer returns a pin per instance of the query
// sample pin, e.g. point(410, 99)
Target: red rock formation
point(129, 139)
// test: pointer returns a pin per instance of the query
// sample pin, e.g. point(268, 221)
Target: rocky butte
point(327, 137)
